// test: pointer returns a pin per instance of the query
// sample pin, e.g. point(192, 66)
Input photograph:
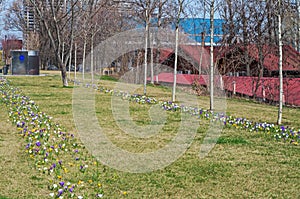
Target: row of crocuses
point(57, 155)
point(280, 133)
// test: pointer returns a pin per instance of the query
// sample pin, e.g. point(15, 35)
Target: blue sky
point(4, 6)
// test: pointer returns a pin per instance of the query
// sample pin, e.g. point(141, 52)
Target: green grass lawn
point(241, 165)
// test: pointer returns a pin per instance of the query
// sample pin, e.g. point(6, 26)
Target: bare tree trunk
point(175, 64)
point(92, 57)
point(63, 51)
point(261, 57)
point(202, 44)
point(211, 75)
point(70, 60)
point(75, 61)
point(280, 67)
point(180, 6)
point(137, 79)
point(231, 22)
point(83, 56)
point(62, 69)
point(72, 39)
point(245, 39)
point(151, 64)
point(64, 76)
point(201, 53)
point(146, 54)
point(159, 16)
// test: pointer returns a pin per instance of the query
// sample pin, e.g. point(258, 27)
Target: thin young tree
point(279, 120)
point(143, 11)
point(72, 35)
point(179, 12)
point(54, 21)
point(211, 71)
point(147, 23)
point(198, 10)
point(163, 17)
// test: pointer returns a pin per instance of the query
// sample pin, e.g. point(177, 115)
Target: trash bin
point(5, 69)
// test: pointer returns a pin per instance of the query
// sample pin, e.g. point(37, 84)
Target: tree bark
point(211, 72)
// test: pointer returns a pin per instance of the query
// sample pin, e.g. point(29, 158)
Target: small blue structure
point(194, 27)
point(25, 62)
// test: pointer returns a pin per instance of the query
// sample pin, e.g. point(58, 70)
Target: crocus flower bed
point(280, 133)
point(70, 169)
point(57, 155)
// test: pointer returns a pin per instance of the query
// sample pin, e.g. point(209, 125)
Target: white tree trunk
point(70, 60)
point(280, 68)
point(175, 64)
point(92, 58)
point(83, 57)
point(211, 73)
point(146, 53)
point(180, 7)
point(75, 61)
point(137, 79)
point(151, 64)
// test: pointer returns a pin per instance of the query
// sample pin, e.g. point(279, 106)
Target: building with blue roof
point(194, 27)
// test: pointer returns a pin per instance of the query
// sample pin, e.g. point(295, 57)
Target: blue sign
point(21, 57)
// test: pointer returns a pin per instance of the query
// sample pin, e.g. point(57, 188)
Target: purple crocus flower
point(61, 183)
point(71, 189)
point(38, 143)
point(292, 133)
point(60, 192)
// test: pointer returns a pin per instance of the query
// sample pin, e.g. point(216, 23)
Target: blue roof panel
point(195, 26)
